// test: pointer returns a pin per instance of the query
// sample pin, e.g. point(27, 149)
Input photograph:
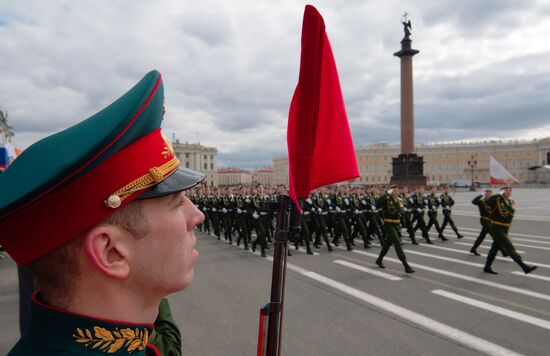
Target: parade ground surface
point(341, 303)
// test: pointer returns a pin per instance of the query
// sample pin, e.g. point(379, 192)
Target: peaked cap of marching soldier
point(68, 182)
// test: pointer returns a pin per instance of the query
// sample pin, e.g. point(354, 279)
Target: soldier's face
point(507, 193)
point(164, 258)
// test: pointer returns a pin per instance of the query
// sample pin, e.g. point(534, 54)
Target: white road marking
point(459, 336)
point(368, 270)
point(466, 278)
point(531, 275)
point(437, 257)
point(545, 324)
point(469, 244)
point(508, 259)
point(511, 233)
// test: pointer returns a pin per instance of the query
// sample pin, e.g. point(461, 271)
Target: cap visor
point(181, 179)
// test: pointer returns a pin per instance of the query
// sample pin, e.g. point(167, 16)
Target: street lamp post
point(473, 165)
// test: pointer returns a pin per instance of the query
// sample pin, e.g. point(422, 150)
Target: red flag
point(320, 148)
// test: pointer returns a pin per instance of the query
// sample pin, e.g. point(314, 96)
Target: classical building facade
point(233, 176)
point(199, 158)
point(446, 163)
point(263, 176)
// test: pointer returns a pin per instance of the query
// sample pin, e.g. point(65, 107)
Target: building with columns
point(199, 158)
point(446, 163)
point(263, 176)
point(233, 176)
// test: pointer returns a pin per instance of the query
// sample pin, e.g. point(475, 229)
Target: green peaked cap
point(76, 150)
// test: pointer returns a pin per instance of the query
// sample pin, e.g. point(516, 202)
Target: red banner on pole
point(320, 147)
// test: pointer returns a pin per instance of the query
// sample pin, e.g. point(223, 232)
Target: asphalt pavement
point(341, 303)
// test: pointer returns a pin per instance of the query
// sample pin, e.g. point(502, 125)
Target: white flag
point(499, 174)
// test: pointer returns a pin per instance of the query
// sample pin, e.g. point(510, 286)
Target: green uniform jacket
point(167, 336)
point(502, 210)
point(484, 209)
point(391, 209)
point(54, 332)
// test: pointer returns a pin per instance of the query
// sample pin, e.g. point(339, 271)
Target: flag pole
point(271, 313)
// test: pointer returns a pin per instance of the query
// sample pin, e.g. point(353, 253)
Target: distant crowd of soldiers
point(332, 215)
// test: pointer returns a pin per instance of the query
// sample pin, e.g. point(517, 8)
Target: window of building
point(212, 157)
point(186, 164)
point(205, 157)
point(187, 155)
point(206, 166)
point(212, 166)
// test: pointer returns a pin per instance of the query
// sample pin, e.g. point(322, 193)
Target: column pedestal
point(408, 170)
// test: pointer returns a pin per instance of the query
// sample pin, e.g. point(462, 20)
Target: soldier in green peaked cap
point(100, 217)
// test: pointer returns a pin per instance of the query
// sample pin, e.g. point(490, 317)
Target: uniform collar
point(53, 329)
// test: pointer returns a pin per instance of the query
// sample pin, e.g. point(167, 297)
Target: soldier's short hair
point(58, 272)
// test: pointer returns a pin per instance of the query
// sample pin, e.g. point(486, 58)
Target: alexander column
point(407, 167)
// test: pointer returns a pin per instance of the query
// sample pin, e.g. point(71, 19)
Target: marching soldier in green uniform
point(228, 208)
point(258, 214)
point(433, 204)
point(485, 221)
point(358, 220)
point(407, 213)
point(502, 209)
point(340, 216)
point(214, 206)
point(305, 223)
point(391, 211)
point(319, 219)
point(372, 211)
point(248, 212)
point(419, 205)
point(447, 202)
point(241, 216)
point(99, 217)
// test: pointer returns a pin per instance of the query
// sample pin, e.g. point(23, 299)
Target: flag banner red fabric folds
point(320, 147)
point(500, 176)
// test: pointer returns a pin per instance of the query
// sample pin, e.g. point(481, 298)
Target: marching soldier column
point(337, 213)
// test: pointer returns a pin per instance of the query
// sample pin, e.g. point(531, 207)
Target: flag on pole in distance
point(320, 147)
point(499, 174)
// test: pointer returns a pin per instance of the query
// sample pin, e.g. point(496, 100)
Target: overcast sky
point(230, 67)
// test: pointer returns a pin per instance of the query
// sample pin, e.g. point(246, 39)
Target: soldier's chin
point(194, 255)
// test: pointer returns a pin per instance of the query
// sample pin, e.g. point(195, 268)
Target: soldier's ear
point(107, 249)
